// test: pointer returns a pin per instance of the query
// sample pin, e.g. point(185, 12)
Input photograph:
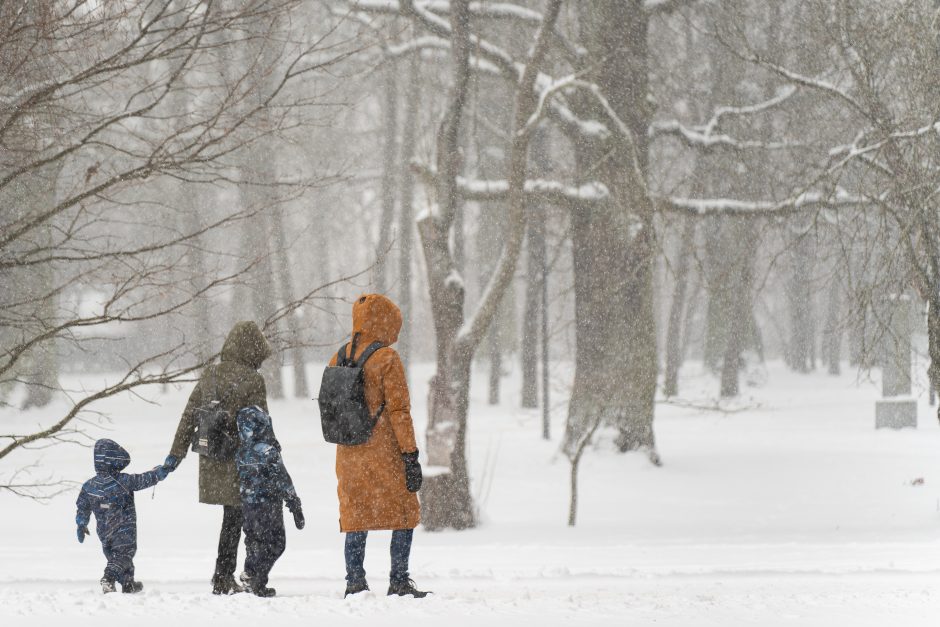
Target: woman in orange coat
point(378, 480)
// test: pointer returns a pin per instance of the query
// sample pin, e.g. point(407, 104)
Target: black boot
point(107, 585)
point(256, 588)
point(132, 587)
point(405, 587)
point(356, 587)
point(225, 584)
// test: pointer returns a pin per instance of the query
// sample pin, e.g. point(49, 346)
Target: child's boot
point(132, 587)
point(255, 587)
point(107, 585)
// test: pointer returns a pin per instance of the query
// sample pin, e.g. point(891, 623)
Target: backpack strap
point(368, 352)
point(341, 359)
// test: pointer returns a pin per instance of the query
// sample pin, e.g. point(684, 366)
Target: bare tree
point(90, 105)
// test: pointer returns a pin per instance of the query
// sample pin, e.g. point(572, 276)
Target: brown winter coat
point(371, 476)
point(236, 382)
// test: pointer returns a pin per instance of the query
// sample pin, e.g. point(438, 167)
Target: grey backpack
point(344, 413)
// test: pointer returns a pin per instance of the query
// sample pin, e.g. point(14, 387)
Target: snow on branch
point(553, 192)
point(706, 136)
point(696, 138)
point(811, 82)
point(508, 67)
point(782, 96)
point(492, 10)
point(762, 208)
point(435, 45)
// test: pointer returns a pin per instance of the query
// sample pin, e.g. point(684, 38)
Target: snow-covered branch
point(432, 44)
point(707, 137)
point(552, 192)
point(510, 69)
point(806, 201)
point(696, 137)
point(811, 82)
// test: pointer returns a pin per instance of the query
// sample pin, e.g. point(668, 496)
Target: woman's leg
point(355, 556)
point(401, 551)
point(231, 533)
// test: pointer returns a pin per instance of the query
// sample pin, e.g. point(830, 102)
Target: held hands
point(294, 506)
point(82, 532)
point(169, 465)
point(413, 476)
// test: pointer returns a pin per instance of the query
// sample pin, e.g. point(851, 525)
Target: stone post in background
point(897, 409)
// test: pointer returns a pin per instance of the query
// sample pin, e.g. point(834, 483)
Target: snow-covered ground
point(790, 510)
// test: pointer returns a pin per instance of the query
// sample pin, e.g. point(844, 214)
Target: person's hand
point(170, 463)
point(413, 476)
point(162, 472)
point(82, 532)
point(294, 506)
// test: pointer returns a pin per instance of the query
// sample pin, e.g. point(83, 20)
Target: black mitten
point(413, 477)
point(294, 506)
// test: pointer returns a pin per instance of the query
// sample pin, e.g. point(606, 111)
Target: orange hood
point(375, 319)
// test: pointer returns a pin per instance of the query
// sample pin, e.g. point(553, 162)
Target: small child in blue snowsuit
point(264, 486)
point(110, 495)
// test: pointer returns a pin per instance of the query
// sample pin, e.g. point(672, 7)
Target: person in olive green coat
point(236, 383)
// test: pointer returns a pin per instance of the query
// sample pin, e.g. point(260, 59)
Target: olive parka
point(236, 382)
point(371, 476)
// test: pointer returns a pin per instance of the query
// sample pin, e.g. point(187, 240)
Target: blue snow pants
point(265, 539)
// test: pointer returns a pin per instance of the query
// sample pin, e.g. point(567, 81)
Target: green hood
point(246, 345)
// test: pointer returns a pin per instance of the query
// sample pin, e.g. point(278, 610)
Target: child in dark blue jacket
point(264, 486)
point(110, 495)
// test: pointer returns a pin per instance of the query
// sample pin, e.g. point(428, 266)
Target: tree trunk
point(496, 359)
point(286, 285)
point(448, 501)
point(613, 250)
point(40, 369)
point(799, 297)
point(535, 279)
point(390, 169)
point(677, 310)
point(832, 335)
point(534, 313)
point(739, 332)
point(406, 226)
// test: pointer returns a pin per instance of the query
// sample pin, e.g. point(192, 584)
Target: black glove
point(294, 506)
point(171, 463)
point(82, 532)
point(413, 475)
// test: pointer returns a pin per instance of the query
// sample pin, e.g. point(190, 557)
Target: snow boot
point(107, 585)
point(225, 584)
point(356, 587)
point(405, 587)
point(132, 587)
point(255, 588)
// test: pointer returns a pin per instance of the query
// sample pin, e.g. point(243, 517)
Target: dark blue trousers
point(264, 538)
point(119, 550)
point(356, 555)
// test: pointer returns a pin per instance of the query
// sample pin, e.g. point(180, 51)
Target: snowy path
point(794, 511)
point(708, 599)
